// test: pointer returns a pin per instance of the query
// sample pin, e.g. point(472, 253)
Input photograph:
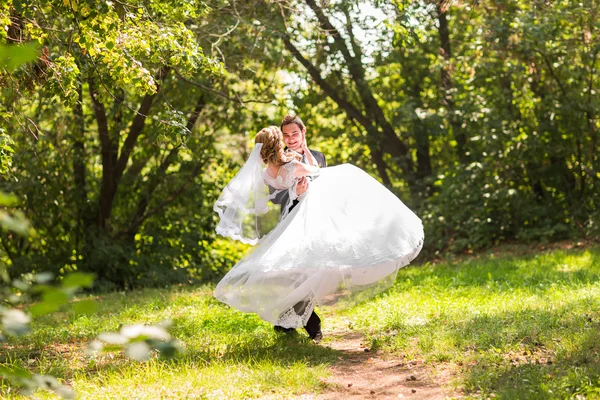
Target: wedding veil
point(243, 200)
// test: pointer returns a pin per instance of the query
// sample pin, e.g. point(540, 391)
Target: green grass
point(228, 354)
point(520, 327)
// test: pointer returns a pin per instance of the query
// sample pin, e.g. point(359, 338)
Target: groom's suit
point(313, 325)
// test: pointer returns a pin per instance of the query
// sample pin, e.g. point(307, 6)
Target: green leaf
point(85, 307)
point(21, 285)
point(65, 392)
point(78, 279)
point(44, 277)
point(42, 309)
point(17, 223)
point(112, 338)
point(15, 321)
point(139, 351)
point(13, 56)
point(8, 199)
point(15, 371)
point(54, 296)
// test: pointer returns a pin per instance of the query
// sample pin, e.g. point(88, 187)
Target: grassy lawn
point(227, 353)
point(515, 326)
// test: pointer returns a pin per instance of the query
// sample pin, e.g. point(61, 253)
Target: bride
point(347, 233)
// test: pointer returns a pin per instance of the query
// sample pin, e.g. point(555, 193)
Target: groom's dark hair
point(292, 119)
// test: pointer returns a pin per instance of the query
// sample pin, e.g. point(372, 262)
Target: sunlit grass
point(525, 327)
point(519, 327)
point(228, 354)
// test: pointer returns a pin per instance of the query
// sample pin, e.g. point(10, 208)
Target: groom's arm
point(279, 198)
point(282, 197)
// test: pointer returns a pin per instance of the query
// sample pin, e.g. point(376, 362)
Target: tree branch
point(137, 127)
point(394, 145)
point(563, 90)
point(350, 109)
point(446, 84)
point(331, 31)
point(101, 120)
point(355, 47)
point(377, 158)
point(221, 94)
point(556, 78)
point(174, 195)
point(137, 165)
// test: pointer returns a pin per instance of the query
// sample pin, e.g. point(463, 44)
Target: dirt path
point(363, 374)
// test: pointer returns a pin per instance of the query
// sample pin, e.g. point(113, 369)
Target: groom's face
point(293, 136)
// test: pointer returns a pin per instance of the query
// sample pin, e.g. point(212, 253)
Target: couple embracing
point(340, 231)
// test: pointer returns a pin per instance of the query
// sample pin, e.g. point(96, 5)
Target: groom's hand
point(302, 186)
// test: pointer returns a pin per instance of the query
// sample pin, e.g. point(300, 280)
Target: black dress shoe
point(282, 329)
point(317, 336)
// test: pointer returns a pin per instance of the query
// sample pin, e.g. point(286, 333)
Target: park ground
point(517, 322)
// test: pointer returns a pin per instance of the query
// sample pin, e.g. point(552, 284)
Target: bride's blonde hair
point(272, 149)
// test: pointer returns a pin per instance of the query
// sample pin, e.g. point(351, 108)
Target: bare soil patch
point(364, 374)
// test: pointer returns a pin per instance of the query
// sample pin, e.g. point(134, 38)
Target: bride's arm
point(312, 161)
point(303, 169)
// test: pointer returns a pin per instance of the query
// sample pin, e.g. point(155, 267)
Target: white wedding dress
point(348, 232)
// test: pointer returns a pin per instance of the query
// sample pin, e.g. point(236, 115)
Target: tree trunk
point(79, 170)
point(108, 159)
point(591, 123)
point(447, 86)
point(546, 125)
point(113, 166)
point(158, 177)
point(420, 135)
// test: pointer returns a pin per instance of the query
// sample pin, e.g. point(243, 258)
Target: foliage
point(15, 322)
point(92, 95)
point(483, 118)
point(474, 209)
point(20, 292)
point(138, 341)
point(499, 112)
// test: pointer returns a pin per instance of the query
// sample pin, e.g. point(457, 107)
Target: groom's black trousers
point(313, 325)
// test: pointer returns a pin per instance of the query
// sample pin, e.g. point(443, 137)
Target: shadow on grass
point(216, 335)
point(524, 354)
point(572, 374)
point(283, 350)
point(543, 350)
point(227, 335)
point(535, 274)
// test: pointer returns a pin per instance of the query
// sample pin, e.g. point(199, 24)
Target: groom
point(294, 132)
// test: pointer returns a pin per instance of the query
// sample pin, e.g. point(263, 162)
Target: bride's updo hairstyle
point(272, 149)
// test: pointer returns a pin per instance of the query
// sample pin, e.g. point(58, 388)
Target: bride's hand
point(301, 186)
point(304, 145)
